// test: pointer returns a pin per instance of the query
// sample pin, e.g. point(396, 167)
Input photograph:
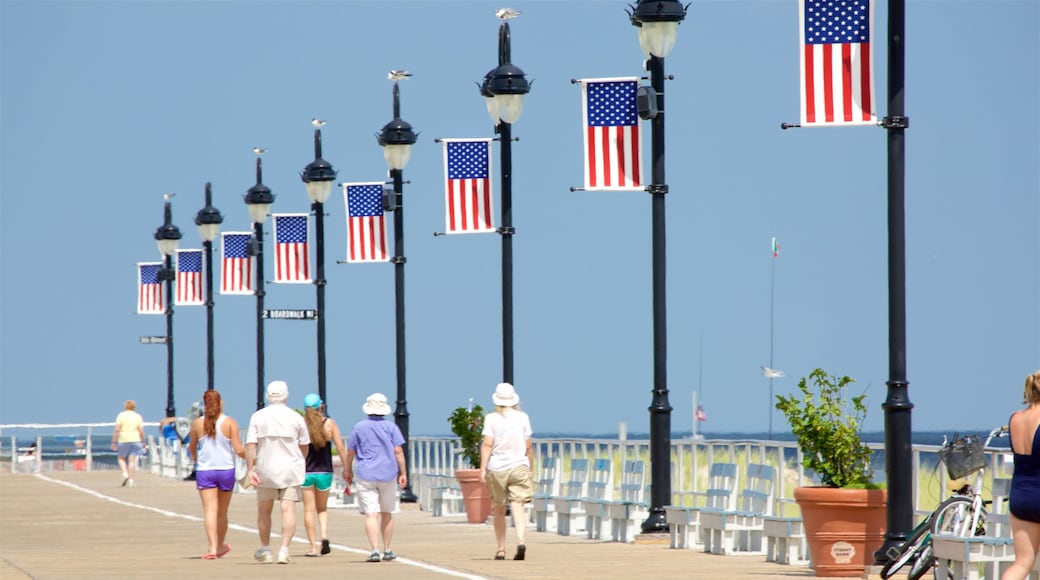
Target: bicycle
point(962, 514)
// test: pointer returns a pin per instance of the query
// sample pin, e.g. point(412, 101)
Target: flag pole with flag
point(292, 263)
point(467, 188)
point(150, 289)
point(236, 265)
point(613, 134)
point(366, 222)
point(837, 66)
point(189, 278)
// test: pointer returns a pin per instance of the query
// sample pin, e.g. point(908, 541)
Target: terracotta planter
point(844, 527)
point(475, 495)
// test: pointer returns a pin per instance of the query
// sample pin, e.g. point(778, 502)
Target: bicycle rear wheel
point(954, 517)
point(907, 550)
point(925, 561)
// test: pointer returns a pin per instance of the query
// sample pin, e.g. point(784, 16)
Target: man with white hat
point(377, 445)
point(277, 442)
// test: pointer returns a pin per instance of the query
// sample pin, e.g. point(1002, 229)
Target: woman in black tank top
point(324, 434)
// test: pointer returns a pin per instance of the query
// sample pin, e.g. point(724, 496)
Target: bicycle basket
point(963, 456)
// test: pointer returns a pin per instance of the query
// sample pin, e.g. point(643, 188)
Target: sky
point(106, 106)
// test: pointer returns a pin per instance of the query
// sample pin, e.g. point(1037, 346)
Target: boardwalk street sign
point(153, 340)
point(291, 314)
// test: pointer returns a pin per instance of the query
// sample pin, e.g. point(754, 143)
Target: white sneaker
point(126, 478)
point(129, 483)
point(263, 555)
point(283, 556)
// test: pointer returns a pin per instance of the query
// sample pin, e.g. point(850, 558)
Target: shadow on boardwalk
point(83, 525)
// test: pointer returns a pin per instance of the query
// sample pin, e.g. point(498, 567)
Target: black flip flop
point(500, 555)
point(521, 550)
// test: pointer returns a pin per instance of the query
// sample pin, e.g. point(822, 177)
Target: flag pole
point(772, 287)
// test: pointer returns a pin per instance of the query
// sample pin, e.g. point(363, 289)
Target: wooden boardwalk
point(84, 525)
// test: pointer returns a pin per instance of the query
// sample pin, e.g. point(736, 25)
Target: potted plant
point(467, 424)
point(845, 516)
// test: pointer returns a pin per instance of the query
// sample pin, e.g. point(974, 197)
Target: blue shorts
point(222, 479)
point(125, 450)
point(319, 481)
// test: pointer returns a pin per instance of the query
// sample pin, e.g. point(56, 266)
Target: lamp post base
point(407, 496)
point(655, 523)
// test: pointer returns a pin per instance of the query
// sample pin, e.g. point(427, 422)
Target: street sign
point(291, 314)
point(153, 340)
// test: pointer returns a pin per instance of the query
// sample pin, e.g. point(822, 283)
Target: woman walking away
point(324, 434)
point(213, 443)
point(128, 440)
point(506, 459)
point(1024, 501)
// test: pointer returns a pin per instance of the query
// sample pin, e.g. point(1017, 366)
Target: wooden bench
point(598, 494)
point(960, 557)
point(631, 507)
point(567, 505)
point(741, 529)
point(547, 486)
point(684, 521)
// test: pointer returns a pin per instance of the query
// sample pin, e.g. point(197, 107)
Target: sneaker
point(126, 478)
point(263, 555)
point(129, 483)
point(283, 556)
point(389, 555)
point(373, 557)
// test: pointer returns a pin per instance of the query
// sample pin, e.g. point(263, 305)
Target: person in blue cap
point(324, 434)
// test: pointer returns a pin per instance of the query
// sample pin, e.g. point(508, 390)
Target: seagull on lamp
point(507, 13)
point(259, 150)
point(772, 373)
point(168, 196)
point(398, 75)
point(318, 123)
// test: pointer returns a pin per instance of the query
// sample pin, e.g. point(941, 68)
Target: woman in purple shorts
point(213, 444)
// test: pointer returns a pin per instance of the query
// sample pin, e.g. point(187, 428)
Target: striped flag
point(366, 224)
point(236, 265)
point(613, 134)
point(189, 278)
point(292, 262)
point(700, 415)
point(776, 248)
point(837, 68)
point(467, 191)
point(149, 289)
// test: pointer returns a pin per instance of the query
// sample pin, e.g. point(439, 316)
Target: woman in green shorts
point(324, 433)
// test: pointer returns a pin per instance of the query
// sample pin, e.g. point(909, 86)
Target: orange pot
point(475, 495)
point(843, 527)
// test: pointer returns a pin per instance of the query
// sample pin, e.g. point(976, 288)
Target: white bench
point(598, 490)
point(547, 485)
point(445, 496)
point(567, 505)
point(684, 521)
point(961, 558)
point(785, 540)
point(631, 507)
point(741, 530)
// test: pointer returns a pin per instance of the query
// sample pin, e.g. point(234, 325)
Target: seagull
point(318, 123)
point(398, 75)
point(259, 150)
point(507, 13)
point(168, 196)
point(772, 373)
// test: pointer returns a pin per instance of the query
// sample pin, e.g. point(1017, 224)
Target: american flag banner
point(292, 262)
point(189, 278)
point(837, 68)
point(776, 248)
point(467, 190)
point(613, 134)
point(149, 289)
point(236, 265)
point(366, 224)
point(700, 415)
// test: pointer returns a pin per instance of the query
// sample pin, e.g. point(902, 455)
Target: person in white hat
point(377, 445)
point(277, 442)
point(506, 458)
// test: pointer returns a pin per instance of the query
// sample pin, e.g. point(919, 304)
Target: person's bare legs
point(321, 506)
point(288, 522)
point(263, 520)
point(223, 502)
point(131, 466)
point(388, 529)
point(210, 508)
point(308, 518)
point(500, 528)
point(123, 468)
point(372, 530)
point(518, 508)
point(1027, 541)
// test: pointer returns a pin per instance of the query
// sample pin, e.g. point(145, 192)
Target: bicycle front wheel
point(907, 550)
point(924, 562)
point(954, 517)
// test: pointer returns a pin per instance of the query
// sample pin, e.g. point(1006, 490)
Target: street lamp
point(318, 177)
point(397, 138)
point(504, 88)
point(658, 21)
point(166, 237)
point(208, 221)
point(259, 199)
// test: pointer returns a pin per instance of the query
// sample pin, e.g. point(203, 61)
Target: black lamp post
point(318, 177)
point(166, 237)
point(259, 199)
point(504, 88)
point(658, 21)
point(397, 138)
point(208, 221)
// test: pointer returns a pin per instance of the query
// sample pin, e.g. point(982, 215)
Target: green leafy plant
point(827, 424)
point(467, 425)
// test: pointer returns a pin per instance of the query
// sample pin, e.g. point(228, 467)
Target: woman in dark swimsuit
point(1024, 502)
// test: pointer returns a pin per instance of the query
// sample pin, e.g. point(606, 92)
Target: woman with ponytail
point(1024, 500)
point(324, 434)
point(213, 444)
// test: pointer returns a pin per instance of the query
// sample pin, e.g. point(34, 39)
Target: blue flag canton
point(612, 104)
point(150, 273)
point(468, 160)
point(364, 200)
point(189, 261)
point(292, 229)
point(837, 21)
point(236, 246)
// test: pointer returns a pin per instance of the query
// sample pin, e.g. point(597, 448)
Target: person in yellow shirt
point(128, 440)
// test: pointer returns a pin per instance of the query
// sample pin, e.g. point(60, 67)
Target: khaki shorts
point(287, 493)
point(511, 485)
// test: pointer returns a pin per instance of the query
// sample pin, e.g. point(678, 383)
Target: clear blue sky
point(108, 105)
